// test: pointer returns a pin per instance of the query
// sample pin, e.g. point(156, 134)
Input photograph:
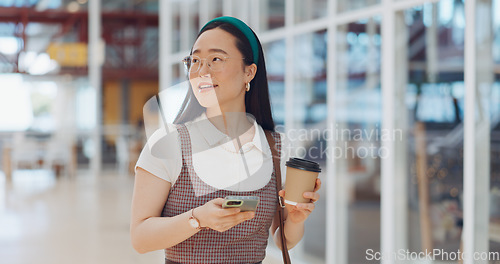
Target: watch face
point(194, 223)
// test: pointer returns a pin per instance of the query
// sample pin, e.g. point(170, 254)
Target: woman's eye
point(217, 59)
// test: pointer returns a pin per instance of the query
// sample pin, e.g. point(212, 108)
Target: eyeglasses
point(215, 62)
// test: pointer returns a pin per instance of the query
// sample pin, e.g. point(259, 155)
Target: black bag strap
point(281, 205)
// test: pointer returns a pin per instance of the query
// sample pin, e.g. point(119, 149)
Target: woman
point(220, 149)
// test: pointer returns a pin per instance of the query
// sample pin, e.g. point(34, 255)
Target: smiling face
point(224, 88)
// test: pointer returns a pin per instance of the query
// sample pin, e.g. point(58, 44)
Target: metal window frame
point(96, 58)
point(469, 229)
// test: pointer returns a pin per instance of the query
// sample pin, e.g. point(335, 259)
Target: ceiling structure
point(130, 33)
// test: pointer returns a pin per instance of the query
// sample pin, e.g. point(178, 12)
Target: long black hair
point(256, 100)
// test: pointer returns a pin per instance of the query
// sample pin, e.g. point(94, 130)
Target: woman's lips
point(205, 86)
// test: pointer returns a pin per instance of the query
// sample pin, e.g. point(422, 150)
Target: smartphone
point(245, 203)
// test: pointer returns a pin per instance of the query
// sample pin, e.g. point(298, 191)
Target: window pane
point(488, 90)
point(272, 13)
point(306, 10)
point(348, 5)
point(309, 118)
point(274, 53)
point(176, 27)
point(212, 9)
point(431, 66)
point(124, 5)
point(358, 110)
point(185, 24)
point(15, 98)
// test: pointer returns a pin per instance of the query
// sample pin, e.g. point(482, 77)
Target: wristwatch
point(194, 222)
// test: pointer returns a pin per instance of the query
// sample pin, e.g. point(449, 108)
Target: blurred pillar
point(185, 20)
point(336, 181)
point(423, 188)
point(125, 101)
point(468, 236)
point(263, 15)
point(372, 66)
point(7, 163)
point(484, 82)
point(205, 11)
point(401, 131)
point(431, 47)
point(477, 128)
point(344, 185)
point(241, 10)
point(289, 66)
point(332, 255)
point(123, 139)
point(72, 142)
point(303, 11)
point(227, 7)
point(372, 83)
point(388, 232)
point(96, 58)
point(255, 16)
point(166, 39)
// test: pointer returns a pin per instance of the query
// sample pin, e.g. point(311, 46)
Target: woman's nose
point(205, 76)
point(204, 69)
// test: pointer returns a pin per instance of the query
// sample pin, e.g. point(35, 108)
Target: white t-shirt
point(218, 165)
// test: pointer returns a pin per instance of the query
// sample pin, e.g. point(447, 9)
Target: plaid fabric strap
point(276, 162)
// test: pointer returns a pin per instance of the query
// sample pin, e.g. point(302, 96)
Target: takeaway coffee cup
point(301, 177)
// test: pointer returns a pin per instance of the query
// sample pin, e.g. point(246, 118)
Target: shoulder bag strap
point(281, 213)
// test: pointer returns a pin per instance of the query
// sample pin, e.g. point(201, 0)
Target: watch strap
point(197, 220)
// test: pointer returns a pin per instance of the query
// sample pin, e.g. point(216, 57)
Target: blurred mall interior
point(75, 77)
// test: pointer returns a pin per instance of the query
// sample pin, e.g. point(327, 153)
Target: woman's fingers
point(315, 197)
point(318, 185)
point(218, 201)
point(242, 216)
point(301, 211)
point(212, 215)
point(306, 206)
point(311, 195)
point(222, 212)
point(245, 216)
point(228, 222)
point(228, 212)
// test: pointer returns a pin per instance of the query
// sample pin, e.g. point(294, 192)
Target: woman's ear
point(250, 72)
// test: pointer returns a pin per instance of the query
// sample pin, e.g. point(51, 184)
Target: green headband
point(244, 29)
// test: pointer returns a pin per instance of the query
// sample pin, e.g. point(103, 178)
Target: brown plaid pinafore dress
point(244, 243)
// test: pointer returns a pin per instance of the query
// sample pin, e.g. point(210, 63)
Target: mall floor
point(77, 221)
point(81, 220)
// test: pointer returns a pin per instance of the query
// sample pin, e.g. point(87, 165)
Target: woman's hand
point(215, 217)
point(299, 213)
